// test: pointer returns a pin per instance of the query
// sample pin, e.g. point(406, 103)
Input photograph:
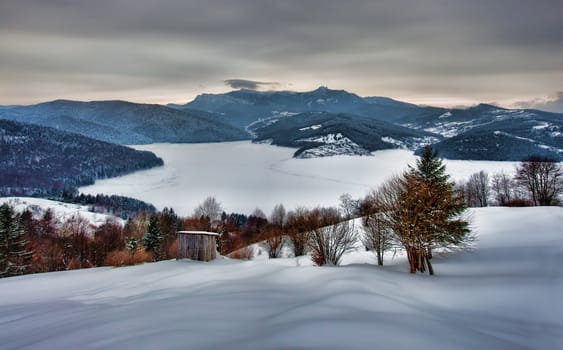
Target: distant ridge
point(125, 122)
point(459, 133)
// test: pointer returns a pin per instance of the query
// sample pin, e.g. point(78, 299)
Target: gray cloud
point(554, 104)
point(248, 84)
point(410, 49)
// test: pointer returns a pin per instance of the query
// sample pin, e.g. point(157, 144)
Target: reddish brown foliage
point(125, 258)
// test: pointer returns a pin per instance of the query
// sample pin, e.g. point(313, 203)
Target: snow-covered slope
point(62, 211)
point(506, 294)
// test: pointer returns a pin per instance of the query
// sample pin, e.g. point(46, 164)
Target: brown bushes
point(173, 249)
point(125, 258)
point(245, 253)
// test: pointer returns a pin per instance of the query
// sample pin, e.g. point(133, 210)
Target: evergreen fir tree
point(424, 211)
point(430, 167)
point(132, 245)
point(14, 256)
point(153, 237)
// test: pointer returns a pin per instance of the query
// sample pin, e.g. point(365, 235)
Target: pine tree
point(14, 256)
point(132, 245)
point(424, 211)
point(431, 218)
point(430, 167)
point(153, 237)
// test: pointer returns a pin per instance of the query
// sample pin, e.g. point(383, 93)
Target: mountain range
point(484, 132)
point(321, 122)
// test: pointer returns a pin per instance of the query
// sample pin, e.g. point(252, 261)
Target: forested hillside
point(125, 122)
point(36, 160)
point(317, 134)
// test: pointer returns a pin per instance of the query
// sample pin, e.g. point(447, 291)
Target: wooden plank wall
point(196, 247)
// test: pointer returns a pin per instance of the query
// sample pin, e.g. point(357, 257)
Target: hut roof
point(198, 233)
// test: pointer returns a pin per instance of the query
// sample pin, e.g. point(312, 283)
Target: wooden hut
point(197, 245)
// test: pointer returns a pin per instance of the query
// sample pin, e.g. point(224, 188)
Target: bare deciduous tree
point(502, 188)
point(378, 235)
point(278, 216)
point(74, 234)
point(258, 213)
point(210, 208)
point(273, 241)
point(477, 190)
point(334, 237)
point(348, 205)
point(542, 178)
point(273, 234)
point(298, 227)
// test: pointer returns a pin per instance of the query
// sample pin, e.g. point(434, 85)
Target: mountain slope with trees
point(36, 160)
point(321, 134)
point(242, 107)
point(467, 132)
point(126, 123)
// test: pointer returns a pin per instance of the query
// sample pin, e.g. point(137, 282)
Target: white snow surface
point(329, 138)
point(243, 176)
point(62, 211)
point(505, 294)
point(333, 145)
point(541, 126)
point(312, 127)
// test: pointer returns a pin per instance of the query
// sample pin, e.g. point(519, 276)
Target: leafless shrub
point(273, 241)
point(297, 229)
point(378, 235)
point(332, 239)
point(246, 253)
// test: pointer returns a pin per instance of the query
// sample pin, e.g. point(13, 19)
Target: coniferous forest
point(41, 161)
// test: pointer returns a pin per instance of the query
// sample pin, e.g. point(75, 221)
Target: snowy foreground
point(505, 294)
point(243, 176)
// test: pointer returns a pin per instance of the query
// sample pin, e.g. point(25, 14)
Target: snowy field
point(244, 176)
point(505, 294)
point(62, 211)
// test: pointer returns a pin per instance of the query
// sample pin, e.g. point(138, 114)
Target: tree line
point(420, 212)
point(537, 181)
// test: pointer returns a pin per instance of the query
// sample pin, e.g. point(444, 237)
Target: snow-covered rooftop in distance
point(198, 233)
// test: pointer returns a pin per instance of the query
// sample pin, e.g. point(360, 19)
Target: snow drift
point(505, 294)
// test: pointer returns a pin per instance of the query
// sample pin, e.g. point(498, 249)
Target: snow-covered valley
point(243, 176)
point(505, 294)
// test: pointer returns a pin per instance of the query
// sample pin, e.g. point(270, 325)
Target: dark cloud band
point(248, 84)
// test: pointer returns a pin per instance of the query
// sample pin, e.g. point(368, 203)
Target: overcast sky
point(440, 52)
